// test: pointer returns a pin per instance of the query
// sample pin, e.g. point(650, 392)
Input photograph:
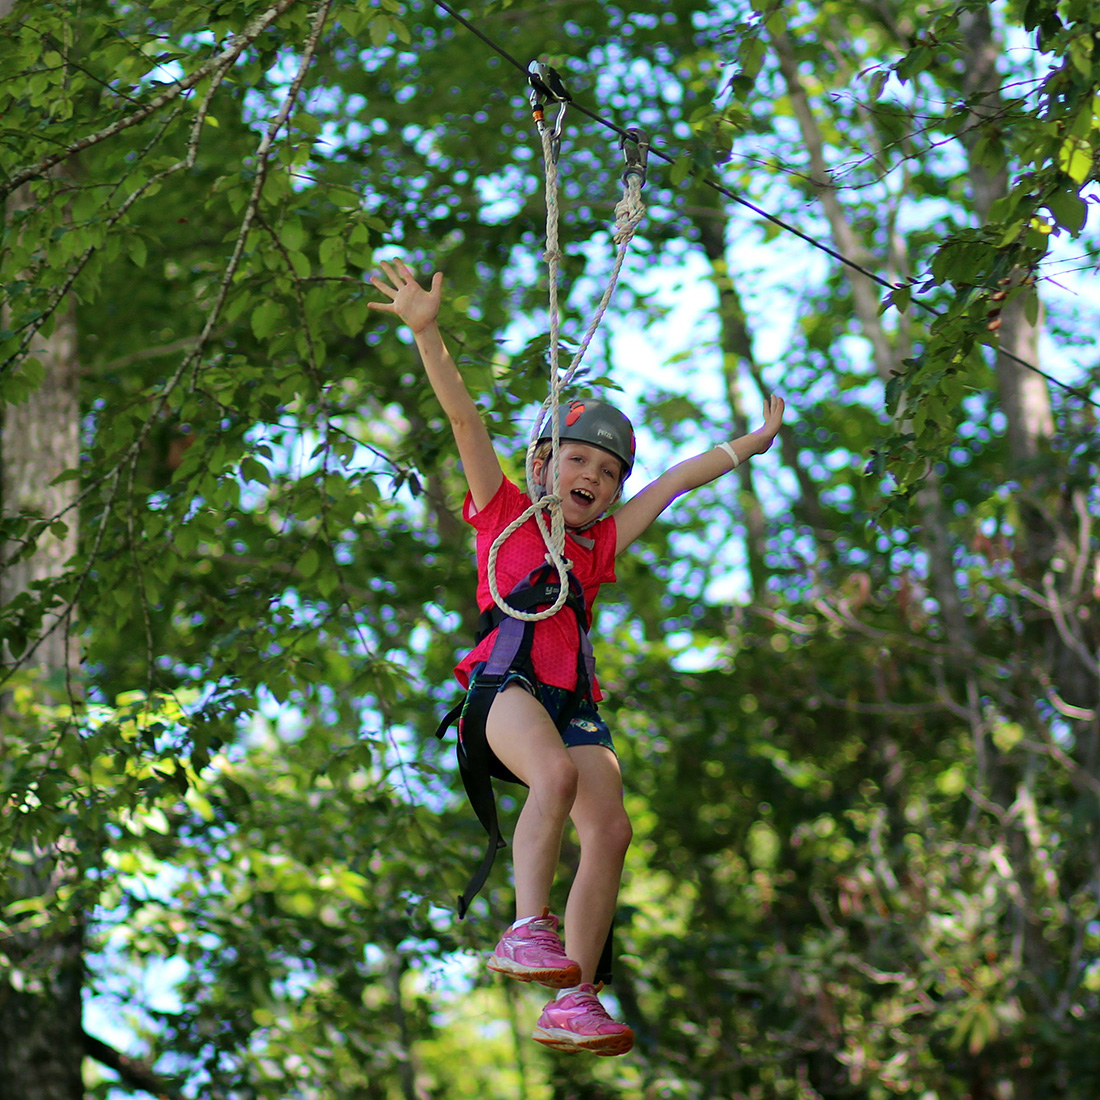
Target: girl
point(573, 775)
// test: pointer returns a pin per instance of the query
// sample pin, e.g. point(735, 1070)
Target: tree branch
point(135, 1072)
point(219, 62)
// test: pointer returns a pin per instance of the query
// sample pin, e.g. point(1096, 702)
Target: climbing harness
point(551, 585)
point(511, 653)
point(477, 762)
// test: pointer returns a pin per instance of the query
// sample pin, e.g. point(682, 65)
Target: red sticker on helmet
point(576, 411)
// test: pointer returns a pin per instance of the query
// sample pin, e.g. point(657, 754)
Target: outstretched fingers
point(416, 306)
point(398, 279)
point(398, 272)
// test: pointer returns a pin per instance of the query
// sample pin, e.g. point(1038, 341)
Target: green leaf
point(1069, 210)
point(900, 298)
point(254, 470)
point(309, 562)
point(307, 123)
point(682, 168)
point(265, 318)
point(138, 251)
point(292, 235)
point(914, 62)
point(1081, 53)
point(989, 152)
point(1031, 305)
point(877, 83)
point(895, 387)
point(331, 254)
point(379, 29)
point(1075, 158)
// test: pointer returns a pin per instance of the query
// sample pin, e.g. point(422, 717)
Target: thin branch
point(1084, 542)
point(183, 344)
point(1083, 780)
point(841, 615)
point(863, 292)
point(72, 603)
point(139, 576)
point(895, 710)
point(1066, 710)
point(253, 204)
point(1071, 641)
point(186, 163)
point(220, 61)
point(215, 310)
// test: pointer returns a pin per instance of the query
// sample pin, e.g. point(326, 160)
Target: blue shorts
point(586, 726)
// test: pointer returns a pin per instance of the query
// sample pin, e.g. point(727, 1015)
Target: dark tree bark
point(41, 1044)
point(42, 975)
point(736, 345)
point(1024, 397)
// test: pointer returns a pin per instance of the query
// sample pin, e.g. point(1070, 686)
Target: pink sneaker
point(533, 953)
point(578, 1021)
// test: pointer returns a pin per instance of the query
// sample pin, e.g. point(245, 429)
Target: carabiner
point(635, 147)
point(546, 84)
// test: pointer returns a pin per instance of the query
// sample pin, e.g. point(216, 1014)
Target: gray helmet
point(585, 420)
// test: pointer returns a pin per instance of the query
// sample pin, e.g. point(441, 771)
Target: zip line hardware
point(635, 147)
point(546, 85)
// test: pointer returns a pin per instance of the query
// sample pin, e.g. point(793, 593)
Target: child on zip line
point(571, 775)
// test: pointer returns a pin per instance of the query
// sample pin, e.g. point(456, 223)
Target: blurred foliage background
point(855, 687)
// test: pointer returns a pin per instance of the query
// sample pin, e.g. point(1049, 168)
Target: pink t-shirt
point(554, 649)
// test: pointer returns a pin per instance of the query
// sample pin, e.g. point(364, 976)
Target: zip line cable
point(759, 211)
point(623, 133)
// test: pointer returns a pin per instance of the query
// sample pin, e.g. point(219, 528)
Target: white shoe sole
point(569, 1042)
point(552, 979)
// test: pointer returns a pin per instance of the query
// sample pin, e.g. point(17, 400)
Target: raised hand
point(773, 418)
point(408, 300)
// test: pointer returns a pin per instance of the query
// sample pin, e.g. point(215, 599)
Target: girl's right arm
point(419, 309)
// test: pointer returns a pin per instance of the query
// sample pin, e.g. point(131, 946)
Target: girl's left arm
point(635, 516)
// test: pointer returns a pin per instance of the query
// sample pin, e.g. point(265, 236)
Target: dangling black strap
point(475, 766)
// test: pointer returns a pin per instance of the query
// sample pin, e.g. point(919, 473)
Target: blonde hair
point(542, 454)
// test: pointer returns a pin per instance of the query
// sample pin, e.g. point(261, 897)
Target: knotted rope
point(629, 212)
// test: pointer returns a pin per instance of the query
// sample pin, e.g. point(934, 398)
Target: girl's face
point(590, 480)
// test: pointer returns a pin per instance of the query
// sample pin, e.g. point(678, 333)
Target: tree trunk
point(935, 535)
point(41, 1036)
point(735, 341)
point(1025, 399)
point(865, 293)
point(41, 1008)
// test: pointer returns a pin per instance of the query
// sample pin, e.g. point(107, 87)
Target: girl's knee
point(619, 833)
point(556, 782)
point(610, 832)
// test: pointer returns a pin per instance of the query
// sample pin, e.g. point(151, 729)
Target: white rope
point(628, 216)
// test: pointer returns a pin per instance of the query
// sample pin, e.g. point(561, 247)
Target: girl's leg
point(527, 742)
point(604, 833)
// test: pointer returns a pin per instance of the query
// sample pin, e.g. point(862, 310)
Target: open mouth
point(582, 496)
